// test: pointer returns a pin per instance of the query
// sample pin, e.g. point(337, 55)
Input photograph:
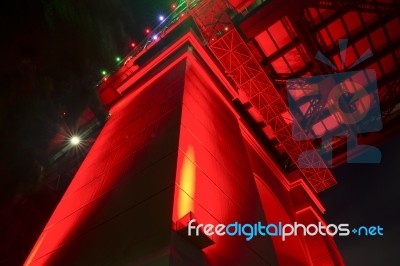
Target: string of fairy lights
point(179, 11)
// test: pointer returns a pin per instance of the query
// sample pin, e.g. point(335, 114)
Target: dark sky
point(52, 53)
point(368, 195)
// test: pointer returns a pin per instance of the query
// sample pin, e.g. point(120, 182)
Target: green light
point(118, 59)
point(103, 72)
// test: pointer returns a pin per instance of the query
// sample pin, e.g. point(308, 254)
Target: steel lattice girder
point(211, 18)
point(239, 63)
point(249, 77)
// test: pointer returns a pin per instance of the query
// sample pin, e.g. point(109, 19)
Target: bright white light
point(75, 140)
point(161, 18)
point(155, 37)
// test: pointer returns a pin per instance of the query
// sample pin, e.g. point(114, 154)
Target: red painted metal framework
point(235, 57)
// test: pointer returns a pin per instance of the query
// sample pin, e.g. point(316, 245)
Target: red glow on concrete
point(186, 182)
point(131, 152)
point(292, 251)
point(322, 249)
point(35, 249)
point(225, 191)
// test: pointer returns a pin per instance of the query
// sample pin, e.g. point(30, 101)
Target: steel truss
point(235, 57)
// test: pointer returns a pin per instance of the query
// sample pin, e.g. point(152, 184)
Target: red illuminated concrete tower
point(197, 129)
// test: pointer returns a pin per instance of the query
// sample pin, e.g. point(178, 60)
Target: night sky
point(368, 195)
point(53, 52)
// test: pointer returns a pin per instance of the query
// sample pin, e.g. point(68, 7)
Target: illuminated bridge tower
point(197, 130)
